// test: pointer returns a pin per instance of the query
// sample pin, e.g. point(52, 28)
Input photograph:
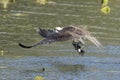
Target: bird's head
point(57, 29)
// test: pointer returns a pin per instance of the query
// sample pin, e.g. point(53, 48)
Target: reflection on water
point(61, 68)
point(71, 68)
point(19, 22)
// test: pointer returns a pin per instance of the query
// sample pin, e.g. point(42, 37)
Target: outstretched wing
point(45, 33)
point(62, 36)
point(44, 41)
point(52, 35)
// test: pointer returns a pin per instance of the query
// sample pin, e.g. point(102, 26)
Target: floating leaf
point(1, 52)
point(39, 78)
point(104, 2)
point(6, 2)
point(42, 2)
point(105, 9)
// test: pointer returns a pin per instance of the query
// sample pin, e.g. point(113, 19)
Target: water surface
point(18, 23)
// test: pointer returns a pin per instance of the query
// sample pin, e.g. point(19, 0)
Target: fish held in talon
point(60, 34)
point(78, 46)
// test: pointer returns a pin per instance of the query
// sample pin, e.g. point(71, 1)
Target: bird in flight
point(60, 34)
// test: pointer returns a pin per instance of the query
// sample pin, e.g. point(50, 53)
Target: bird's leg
point(79, 47)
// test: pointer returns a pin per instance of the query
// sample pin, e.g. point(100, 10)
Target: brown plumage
point(65, 34)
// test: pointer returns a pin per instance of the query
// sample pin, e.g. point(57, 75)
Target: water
point(60, 61)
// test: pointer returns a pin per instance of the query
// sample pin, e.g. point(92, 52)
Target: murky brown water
point(61, 62)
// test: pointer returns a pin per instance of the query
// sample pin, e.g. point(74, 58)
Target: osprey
point(59, 34)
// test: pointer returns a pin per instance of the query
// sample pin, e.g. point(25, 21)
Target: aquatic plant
point(104, 2)
point(6, 2)
point(38, 78)
point(1, 52)
point(42, 2)
point(105, 8)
